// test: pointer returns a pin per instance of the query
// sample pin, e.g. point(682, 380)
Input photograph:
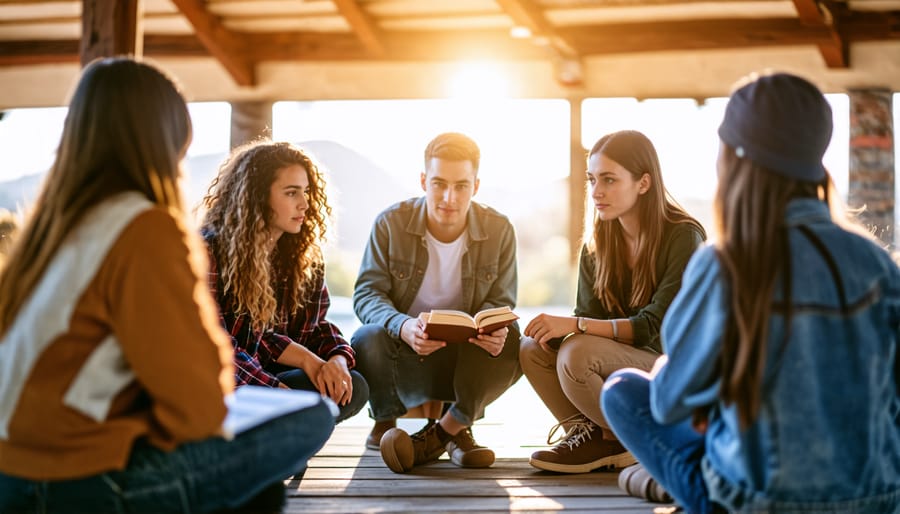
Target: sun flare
point(479, 80)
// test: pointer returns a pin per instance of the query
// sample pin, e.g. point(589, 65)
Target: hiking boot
point(466, 453)
point(402, 452)
point(637, 482)
point(373, 442)
point(581, 450)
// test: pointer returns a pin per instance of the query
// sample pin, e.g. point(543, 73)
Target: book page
point(489, 316)
point(450, 317)
point(250, 406)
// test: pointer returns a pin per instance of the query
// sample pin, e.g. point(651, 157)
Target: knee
point(360, 388)
point(371, 342)
point(577, 357)
point(367, 336)
point(623, 390)
point(312, 425)
point(532, 356)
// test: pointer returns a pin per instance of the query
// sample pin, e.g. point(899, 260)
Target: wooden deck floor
point(346, 477)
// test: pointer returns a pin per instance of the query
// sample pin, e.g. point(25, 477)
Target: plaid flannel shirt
point(255, 351)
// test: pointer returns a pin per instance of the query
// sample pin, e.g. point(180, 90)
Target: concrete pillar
point(250, 120)
point(872, 160)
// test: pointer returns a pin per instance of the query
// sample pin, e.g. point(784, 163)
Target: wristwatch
point(582, 324)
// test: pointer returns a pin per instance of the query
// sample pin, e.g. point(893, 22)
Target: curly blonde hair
point(238, 214)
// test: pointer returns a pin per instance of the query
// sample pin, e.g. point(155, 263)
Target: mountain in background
point(358, 189)
point(19, 192)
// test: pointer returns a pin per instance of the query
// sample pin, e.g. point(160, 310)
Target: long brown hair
point(238, 213)
point(127, 129)
point(754, 252)
point(656, 208)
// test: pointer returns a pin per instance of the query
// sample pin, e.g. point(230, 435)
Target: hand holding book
point(457, 326)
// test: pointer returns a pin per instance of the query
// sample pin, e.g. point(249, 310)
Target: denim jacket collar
point(418, 222)
point(805, 211)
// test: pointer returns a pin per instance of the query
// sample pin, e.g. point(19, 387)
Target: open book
point(458, 326)
point(250, 406)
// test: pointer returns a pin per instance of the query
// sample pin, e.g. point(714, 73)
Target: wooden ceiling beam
point(51, 51)
point(612, 39)
point(836, 52)
point(362, 25)
point(59, 51)
point(488, 43)
point(696, 35)
point(222, 43)
point(528, 14)
point(869, 26)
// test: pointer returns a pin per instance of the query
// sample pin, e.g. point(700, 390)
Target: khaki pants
point(570, 381)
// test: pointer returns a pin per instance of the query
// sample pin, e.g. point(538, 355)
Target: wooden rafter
point(835, 51)
point(362, 25)
point(527, 14)
point(222, 43)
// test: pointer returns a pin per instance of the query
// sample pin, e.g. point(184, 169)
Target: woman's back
point(828, 424)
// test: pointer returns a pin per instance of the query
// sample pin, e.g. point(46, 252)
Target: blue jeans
point(463, 374)
point(296, 378)
point(196, 477)
point(670, 453)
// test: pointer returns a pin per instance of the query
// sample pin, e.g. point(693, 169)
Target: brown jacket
point(120, 340)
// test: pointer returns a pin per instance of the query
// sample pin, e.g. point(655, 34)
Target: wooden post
point(110, 28)
point(577, 165)
point(872, 160)
point(250, 120)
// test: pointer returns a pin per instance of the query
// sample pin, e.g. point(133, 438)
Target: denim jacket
point(394, 263)
point(827, 436)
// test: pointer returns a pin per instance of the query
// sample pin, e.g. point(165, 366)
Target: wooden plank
point(814, 14)
point(222, 44)
point(623, 38)
point(494, 473)
point(341, 504)
point(110, 28)
point(347, 477)
point(484, 488)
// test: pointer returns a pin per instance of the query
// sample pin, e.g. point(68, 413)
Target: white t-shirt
point(442, 284)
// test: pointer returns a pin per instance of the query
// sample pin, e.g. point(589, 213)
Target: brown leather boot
point(466, 453)
point(374, 440)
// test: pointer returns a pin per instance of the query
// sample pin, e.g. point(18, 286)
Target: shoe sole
point(397, 450)
point(620, 460)
point(480, 458)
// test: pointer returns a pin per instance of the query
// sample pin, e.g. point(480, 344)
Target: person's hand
point(493, 342)
point(413, 333)
point(333, 380)
point(700, 419)
point(545, 327)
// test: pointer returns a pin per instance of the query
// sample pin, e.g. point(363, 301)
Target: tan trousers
point(570, 381)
